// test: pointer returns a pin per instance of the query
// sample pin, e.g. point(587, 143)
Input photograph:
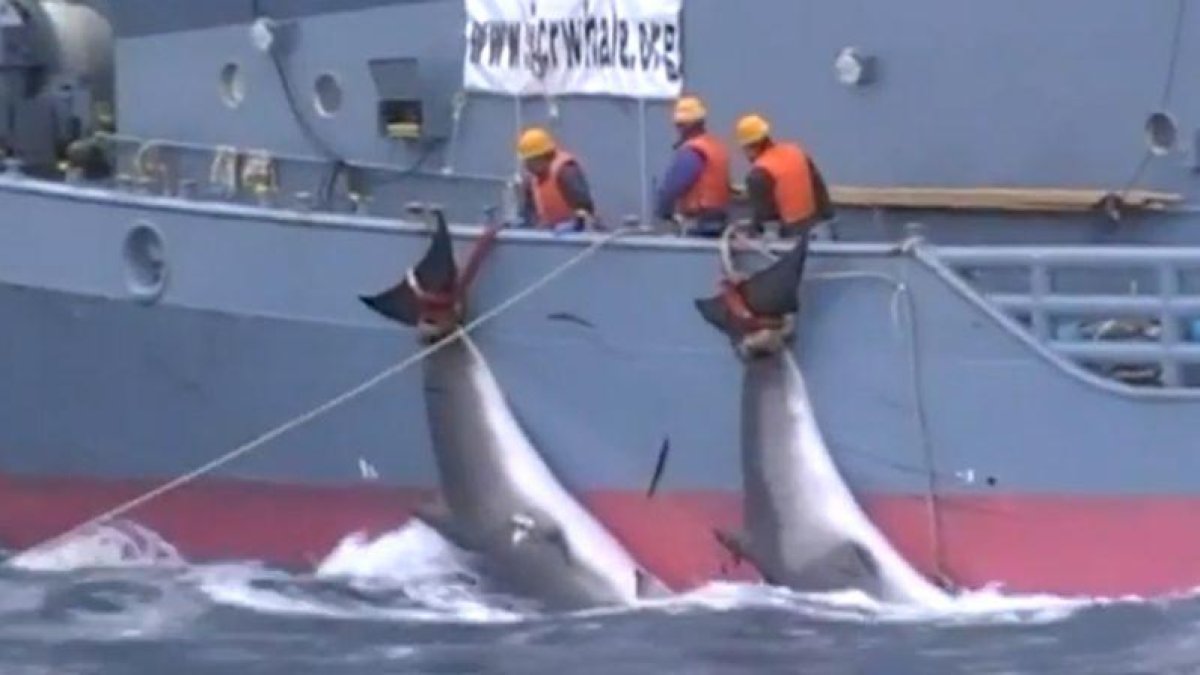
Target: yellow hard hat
point(689, 109)
point(752, 129)
point(534, 142)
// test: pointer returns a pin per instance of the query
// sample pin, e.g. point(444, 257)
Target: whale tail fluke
point(770, 293)
point(436, 275)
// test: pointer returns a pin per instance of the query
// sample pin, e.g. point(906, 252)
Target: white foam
point(141, 609)
point(116, 544)
point(431, 575)
point(418, 560)
point(411, 553)
point(237, 585)
point(430, 579)
point(424, 578)
point(986, 606)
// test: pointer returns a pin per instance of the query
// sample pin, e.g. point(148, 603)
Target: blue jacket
point(686, 167)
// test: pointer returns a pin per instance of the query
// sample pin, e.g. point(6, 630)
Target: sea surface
point(119, 599)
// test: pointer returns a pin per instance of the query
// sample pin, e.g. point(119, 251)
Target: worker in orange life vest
point(555, 193)
point(695, 189)
point(783, 185)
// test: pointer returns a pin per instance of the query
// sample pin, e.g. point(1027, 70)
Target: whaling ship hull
point(151, 325)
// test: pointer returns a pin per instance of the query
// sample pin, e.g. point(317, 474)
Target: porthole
point(232, 85)
point(327, 95)
point(145, 262)
point(1161, 133)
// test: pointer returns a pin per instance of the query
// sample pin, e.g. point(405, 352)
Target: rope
point(931, 471)
point(1168, 87)
point(518, 127)
point(348, 395)
point(643, 167)
point(901, 289)
point(1176, 43)
point(337, 162)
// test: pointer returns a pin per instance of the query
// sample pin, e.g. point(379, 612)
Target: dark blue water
point(407, 604)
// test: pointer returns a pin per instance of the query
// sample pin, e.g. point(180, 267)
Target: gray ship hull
point(975, 447)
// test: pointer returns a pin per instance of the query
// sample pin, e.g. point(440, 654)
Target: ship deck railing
point(1128, 312)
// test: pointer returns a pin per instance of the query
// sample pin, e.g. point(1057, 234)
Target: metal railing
point(1119, 334)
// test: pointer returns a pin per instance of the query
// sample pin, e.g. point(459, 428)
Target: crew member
point(555, 193)
point(783, 184)
point(695, 189)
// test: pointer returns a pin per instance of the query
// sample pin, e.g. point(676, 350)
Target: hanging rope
point(1177, 26)
point(936, 529)
point(332, 403)
point(337, 162)
point(643, 167)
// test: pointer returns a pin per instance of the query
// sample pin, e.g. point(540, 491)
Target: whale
point(498, 497)
point(802, 526)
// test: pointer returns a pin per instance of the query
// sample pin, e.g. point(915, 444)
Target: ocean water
point(121, 600)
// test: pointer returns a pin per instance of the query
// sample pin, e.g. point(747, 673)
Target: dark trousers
point(709, 228)
point(801, 246)
point(789, 230)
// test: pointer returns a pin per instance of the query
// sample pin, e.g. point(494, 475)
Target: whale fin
point(649, 586)
point(768, 292)
point(733, 542)
point(740, 546)
point(435, 273)
point(525, 529)
point(716, 313)
point(660, 466)
point(772, 291)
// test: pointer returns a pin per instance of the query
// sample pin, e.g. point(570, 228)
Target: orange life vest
point(787, 165)
point(549, 201)
point(710, 192)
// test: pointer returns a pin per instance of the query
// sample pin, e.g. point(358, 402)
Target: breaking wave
point(121, 571)
point(987, 606)
point(126, 581)
point(407, 601)
point(411, 574)
point(117, 544)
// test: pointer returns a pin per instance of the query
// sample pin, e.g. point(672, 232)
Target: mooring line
point(330, 404)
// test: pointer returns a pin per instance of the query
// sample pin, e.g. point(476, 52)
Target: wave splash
point(409, 574)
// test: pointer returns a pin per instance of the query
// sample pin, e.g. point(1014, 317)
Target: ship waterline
point(984, 456)
point(999, 329)
point(1019, 543)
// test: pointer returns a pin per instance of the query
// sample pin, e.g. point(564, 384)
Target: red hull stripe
point(1075, 545)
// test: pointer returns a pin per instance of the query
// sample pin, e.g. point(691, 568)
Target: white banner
point(627, 48)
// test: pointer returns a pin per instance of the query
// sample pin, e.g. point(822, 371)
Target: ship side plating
point(204, 290)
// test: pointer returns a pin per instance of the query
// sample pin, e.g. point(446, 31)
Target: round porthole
point(1161, 133)
point(327, 95)
point(232, 85)
point(145, 262)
